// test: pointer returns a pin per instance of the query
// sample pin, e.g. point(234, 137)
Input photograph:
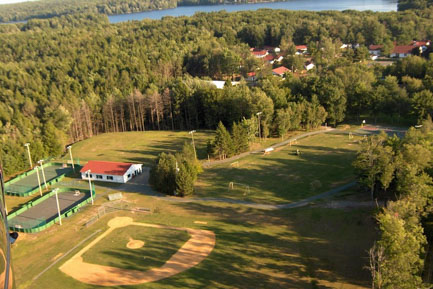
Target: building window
point(110, 178)
point(99, 177)
point(129, 176)
point(87, 175)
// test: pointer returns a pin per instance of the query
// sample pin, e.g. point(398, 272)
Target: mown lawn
point(299, 248)
point(138, 147)
point(325, 161)
point(159, 246)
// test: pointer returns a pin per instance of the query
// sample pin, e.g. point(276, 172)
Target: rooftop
point(106, 168)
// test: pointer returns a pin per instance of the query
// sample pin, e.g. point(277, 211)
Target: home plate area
point(196, 248)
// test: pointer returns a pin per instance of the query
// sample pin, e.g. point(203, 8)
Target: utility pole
point(28, 152)
point(260, 132)
point(39, 180)
point(193, 144)
point(70, 153)
point(43, 172)
point(90, 184)
point(56, 190)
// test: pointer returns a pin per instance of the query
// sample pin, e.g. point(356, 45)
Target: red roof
point(375, 47)
point(280, 70)
point(106, 168)
point(269, 57)
point(301, 47)
point(251, 74)
point(407, 49)
point(421, 43)
point(259, 53)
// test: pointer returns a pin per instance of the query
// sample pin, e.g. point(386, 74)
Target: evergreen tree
point(239, 138)
point(163, 174)
point(223, 144)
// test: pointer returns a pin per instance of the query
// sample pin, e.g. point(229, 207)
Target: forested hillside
point(67, 78)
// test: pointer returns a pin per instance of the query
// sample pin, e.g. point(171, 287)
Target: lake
point(311, 5)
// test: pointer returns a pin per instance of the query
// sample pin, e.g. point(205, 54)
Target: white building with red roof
point(402, 51)
point(280, 71)
point(110, 171)
point(260, 53)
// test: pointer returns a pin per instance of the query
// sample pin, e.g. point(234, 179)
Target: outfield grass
point(138, 147)
point(298, 248)
point(283, 176)
point(159, 246)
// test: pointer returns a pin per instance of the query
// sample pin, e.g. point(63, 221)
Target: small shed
point(113, 172)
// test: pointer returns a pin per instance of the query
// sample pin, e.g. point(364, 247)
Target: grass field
point(138, 147)
point(282, 176)
point(159, 246)
point(309, 247)
point(300, 248)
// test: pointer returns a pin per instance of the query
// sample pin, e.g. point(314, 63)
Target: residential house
point(401, 51)
point(375, 50)
point(309, 66)
point(280, 71)
point(260, 53)
point(301, 49)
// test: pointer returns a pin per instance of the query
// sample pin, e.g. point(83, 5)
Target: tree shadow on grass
point(285, 248)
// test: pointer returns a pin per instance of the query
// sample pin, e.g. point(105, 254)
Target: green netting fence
point(26, 184)
point(36, 225)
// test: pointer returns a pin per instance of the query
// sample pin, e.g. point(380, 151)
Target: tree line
point(399, 171)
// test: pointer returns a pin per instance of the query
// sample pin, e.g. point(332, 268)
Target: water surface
point(310, 5)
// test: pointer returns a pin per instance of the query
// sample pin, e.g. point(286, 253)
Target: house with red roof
point(401, 51)
point(375, 50)
point(110, 171)
point(280, 71)
point(301, 49)
point(260, 53)
point(251, 76)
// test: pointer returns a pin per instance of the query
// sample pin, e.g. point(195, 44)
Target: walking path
point(297, 204)
point(283, 143)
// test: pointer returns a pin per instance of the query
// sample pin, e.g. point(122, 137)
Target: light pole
point(70, 153)
point(39, 180)
point(28, 152)
point(43, 172)
point(2, 185)
point(193, 145)
point(56, 190)
point(260, 132)
point(90, 184)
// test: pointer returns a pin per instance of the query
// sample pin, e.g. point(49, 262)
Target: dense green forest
point(67, 78)
point(414, 4)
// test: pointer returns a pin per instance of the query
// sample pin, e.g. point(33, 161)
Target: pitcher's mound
point(134, 244)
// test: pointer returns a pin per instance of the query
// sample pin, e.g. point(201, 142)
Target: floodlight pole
point(28, 152)
point(39, 180)
point(90, 184)
point(193, 144)
point(56, 190)
point(43, 173)
point(2, 184)
point(260, 132)
point(70, 153)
